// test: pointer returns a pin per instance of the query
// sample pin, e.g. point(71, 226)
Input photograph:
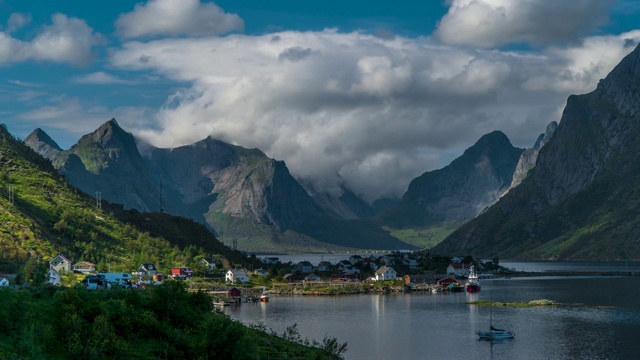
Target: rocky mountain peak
point(42, 143)
point(622, 85)
point(110, 134)
point(461, 190)
point(546, 136)
point(530, 156)
point(40, 135)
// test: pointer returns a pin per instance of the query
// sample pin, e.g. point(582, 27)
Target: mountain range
point(581, 200)
point(43, 216)
point(256, 203)
point(238, 193)
point(573, 195)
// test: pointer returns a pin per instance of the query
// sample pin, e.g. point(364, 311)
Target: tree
point(34, 272)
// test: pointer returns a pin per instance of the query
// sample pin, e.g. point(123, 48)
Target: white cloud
point(23, 83)
point(66, 40)
point(17, 21)
point(100, 78)
point(490, 23)
point(173, 18)
point(357, 110)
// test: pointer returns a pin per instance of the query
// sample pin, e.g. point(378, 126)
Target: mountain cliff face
point(581, 200)
point(238, 182)
point(529, 156)
point(108, 161)
point(461, 190)
point(237, 192)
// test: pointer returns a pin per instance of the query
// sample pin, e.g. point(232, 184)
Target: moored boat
point(265, 296)
point(473, 284)
point(494, 333)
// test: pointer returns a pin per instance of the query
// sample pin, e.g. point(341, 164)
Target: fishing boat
point(494, 333)
point(265, 296)
point(473, 284)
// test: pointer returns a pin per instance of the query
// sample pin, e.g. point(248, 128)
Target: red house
point(446, 281)
point(181, 273)
point(234, 293)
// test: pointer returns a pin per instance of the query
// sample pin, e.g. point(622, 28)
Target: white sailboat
point(494, 333)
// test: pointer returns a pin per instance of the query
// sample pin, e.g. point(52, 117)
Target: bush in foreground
point(161, 322)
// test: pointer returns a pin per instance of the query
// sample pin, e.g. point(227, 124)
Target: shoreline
point(352, 288)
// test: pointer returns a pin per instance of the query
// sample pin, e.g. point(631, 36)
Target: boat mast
point(491, 309)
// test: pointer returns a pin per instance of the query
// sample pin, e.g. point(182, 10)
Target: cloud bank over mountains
point(343, 109)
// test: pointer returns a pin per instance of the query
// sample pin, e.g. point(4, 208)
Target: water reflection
point(601, 323)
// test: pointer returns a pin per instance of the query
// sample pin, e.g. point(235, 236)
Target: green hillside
point(43, 216)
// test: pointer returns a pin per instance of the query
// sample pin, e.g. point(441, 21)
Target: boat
point(473, 284)
point(265, 296)
point(455, 287)
point(222, 303)
point(494, 333)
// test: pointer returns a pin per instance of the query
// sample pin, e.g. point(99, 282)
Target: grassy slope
point(426, 237)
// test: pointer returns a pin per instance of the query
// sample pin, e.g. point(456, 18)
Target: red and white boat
point(473, 284)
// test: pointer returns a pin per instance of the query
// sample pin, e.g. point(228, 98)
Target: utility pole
point(99, 200)
point(161, 197)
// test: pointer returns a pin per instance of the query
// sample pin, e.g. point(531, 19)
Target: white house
point(4, 282)
point(61, 264)
point(324, 266)
point(148, 270)
point(84, 267)
point(385, 273)
point(304, 267)
point(54, 277)
point(236, 276)
point(459, 269)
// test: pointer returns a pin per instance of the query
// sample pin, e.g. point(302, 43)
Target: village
point(392, 272)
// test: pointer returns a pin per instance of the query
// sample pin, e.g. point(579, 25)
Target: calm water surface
point(601, 322)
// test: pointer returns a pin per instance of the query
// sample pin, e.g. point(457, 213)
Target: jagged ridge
point(581, 200)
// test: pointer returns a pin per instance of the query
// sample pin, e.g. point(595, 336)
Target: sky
point(356, 95)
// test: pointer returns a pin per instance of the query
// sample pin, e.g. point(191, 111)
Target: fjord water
point(600, 319)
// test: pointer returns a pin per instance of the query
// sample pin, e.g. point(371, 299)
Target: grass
point(533, 303)
point(423, 237)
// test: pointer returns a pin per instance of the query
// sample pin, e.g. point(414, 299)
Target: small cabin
point(234, 293)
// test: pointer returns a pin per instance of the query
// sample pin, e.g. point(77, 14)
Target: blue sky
point(357, 94)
